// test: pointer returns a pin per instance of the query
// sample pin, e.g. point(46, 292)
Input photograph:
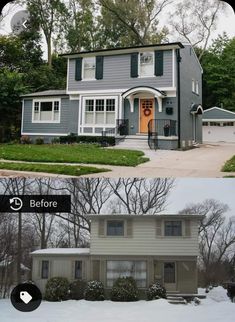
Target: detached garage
point(218, 125)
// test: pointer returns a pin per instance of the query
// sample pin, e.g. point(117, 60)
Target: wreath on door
point(147, 112)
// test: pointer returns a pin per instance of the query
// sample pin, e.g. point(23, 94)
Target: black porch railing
point(121, 129)
point(158, 128)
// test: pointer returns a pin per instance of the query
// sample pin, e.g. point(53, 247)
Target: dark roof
point(177, 44)
point(196, 109)
point(52, 92)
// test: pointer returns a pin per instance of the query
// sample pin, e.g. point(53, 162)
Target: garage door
point(219, 131)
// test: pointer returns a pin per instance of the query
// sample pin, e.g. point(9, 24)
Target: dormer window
point(89, 68)
point(146, 64)
point(115, 228)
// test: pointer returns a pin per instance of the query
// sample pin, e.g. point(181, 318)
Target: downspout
point(178, 96)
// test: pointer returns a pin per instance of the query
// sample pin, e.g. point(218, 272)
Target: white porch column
point(131, 101)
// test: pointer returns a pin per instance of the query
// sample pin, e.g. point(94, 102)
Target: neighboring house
point(150, 248)
point(123, 91)
point(218, 125)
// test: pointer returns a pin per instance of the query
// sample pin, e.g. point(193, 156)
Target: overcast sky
point(194, 190)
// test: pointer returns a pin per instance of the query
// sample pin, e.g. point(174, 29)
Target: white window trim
point(93, 125)
point(83, 65)
point(150, 76)
point(197, 87)
point(46, 100)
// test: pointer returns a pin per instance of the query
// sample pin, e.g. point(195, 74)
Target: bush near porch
point(71, 153)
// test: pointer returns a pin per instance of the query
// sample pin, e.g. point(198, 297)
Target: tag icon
point(25, 297)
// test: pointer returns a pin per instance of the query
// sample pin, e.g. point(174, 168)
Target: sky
point(194, 190)
point(226, 22)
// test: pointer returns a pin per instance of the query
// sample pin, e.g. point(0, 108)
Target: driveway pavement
point(205, 161)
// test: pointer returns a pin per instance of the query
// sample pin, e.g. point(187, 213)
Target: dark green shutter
point(99, 67)
point(78, 69)
point(134, 65)
point(158, 62)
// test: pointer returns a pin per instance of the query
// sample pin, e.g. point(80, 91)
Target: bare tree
point(194, 21)
point(217, 235)
point(139, 195)
point(16, 186)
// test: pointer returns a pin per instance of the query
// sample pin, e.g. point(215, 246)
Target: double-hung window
point(78, 270)
point(146, 64)
point(115, 228)
point(45, 270)
point(89, 66)
point(173, 228)
point(46, 111)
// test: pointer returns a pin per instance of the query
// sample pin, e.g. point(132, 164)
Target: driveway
point(204, 161)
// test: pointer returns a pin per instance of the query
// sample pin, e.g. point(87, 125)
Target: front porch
point(162, 134)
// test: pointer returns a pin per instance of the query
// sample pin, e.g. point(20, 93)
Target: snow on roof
point(62, 251)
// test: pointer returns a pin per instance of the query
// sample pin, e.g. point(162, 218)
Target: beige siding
point(59, 266)
point(144, 240)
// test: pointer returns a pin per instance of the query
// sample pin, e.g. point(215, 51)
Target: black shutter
point(99, 67)
point(158, 62)
point(78, 69)
point(134, 64)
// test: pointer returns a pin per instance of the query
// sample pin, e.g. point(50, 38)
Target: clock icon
point(16, 203)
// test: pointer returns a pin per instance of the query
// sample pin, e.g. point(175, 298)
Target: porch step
point(176, 300)
point(134, 143)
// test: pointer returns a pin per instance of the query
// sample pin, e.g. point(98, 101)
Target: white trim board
point(113, 91)
point(46, 134)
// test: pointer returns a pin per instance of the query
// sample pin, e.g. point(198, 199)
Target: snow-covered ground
point(216, 308)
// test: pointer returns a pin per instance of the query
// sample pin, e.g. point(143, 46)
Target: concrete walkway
point(205, 161)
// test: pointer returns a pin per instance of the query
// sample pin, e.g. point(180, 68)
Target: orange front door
point(146, 113)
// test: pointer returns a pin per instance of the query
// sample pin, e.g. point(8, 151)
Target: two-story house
point(152, 89)
point(149, 248)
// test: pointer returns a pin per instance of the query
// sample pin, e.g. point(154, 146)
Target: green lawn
point(77, 153)
point(70, 170)
point(229, 165)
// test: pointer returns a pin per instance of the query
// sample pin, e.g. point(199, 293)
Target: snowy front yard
point(216, 308)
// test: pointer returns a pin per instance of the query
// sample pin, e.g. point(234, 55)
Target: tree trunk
point(19, 248)
point(49, 53)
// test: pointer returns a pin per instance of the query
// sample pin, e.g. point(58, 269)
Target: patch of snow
point(62, 251)
point(218, 294)
point(108, 311)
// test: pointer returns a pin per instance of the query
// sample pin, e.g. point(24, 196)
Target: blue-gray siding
point(68, 119)
point(117, 75)
point(218, 114)
point(189, 69)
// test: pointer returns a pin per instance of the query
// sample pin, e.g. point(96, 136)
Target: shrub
point(72, 138)
point(39, 141)
point(156, 291)
point(25, 139)
point(55, 140)
point(124, 290)
point(94, 291)
point(57, 289)
point(77, 289)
